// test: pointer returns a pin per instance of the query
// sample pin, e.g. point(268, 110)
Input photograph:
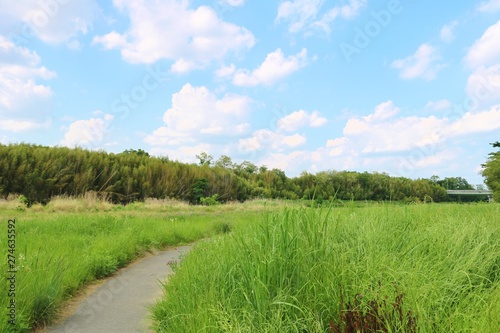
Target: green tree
point(204, 158)
point(224, 162)
point(198, 190)
point(491, 172)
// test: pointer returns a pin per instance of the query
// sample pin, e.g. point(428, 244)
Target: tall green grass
point(386, 268)
point(66, 245)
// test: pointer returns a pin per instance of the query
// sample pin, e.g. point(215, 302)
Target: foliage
point(24, 201)
point(458, 183)
point(42, 173)
point(491, 172)
point(205, 159)
point(198, 190)
point(210, 201)
point(378, 268)
point(58, 250)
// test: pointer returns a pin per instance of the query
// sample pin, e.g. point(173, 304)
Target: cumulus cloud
point(13, 125)
point(421, 64)
point(89, 133)
point(196, 112)
point(372, 134)
point(268, 139)
point(24, 101)
point(385, 140)
point(299, 119)
point(305, 14)
point(279, 140)
point(169, 29)
point(475, 122)
point(383, 111)
point(182, 153)
point(486, 50)
point(225, 71)
point(483, 86)
point(53, 22)
point(274, 68)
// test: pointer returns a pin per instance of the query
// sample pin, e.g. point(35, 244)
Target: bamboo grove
point(40, 173)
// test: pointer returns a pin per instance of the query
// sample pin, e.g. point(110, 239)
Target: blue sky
point(411, 88)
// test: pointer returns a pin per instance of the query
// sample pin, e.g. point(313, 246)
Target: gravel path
point(121, 304)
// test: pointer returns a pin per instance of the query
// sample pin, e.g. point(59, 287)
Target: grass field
point(73, 241)
point(379, 268)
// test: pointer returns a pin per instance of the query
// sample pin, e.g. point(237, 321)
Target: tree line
point(491, 171)
point(40, 173)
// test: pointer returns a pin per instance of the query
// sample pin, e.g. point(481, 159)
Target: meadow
point(72, 242)
point(374, 268)
point(268, 266)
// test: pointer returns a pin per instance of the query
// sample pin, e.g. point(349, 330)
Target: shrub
point(210, 201)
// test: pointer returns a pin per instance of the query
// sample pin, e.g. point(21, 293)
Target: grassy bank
point(73, 241)
point(384, 268)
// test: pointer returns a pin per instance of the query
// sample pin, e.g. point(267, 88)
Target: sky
point(409, 88)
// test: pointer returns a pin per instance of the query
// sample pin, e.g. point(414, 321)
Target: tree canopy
point(40, 173)
point(491, 171)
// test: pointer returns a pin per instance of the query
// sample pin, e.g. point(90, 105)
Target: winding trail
point(121, 304)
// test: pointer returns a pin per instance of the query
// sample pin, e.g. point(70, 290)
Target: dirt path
point(121, 303)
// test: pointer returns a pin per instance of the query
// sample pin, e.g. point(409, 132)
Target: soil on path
point(121, 303)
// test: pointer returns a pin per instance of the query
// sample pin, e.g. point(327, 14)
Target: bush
point(210, 201)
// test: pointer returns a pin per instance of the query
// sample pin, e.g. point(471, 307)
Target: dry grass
point(87, 202)
point(92, 201)
point(12, 202)
point(152, 203)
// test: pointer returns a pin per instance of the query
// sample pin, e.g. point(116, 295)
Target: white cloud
point(13, 125)
point(486, 50)
point(197, 113)
point(301, 118)
point(395, 135)
point(407, 146)
point(490, 6)
point(278, 140)
point(268, 139)
point(234, 3)
point(274, 68)
point(169, 29)
point(110, 41)
point(447, 32)
point(483, 86)
point(475, 122)
point(443, 104)
point(225, 71)
point(337, 146)
point(383, 111)
point(183, 153)
point(303, 14)
point(52, 21)
point(24, 102)
point(87, 133)
point(372, 134)
point(421, 64)
point(437, 158)
point(348, 11)
point(298, 13)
